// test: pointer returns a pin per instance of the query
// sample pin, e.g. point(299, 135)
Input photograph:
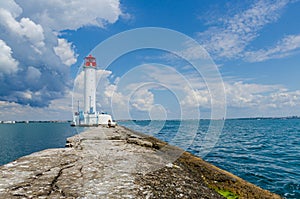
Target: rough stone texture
point(118, 163)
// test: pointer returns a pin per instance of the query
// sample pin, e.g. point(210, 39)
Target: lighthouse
point(89, 115)
point(90, 84)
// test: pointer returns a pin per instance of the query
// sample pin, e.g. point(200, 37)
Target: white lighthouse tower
point(89, 115)
point(90, 84)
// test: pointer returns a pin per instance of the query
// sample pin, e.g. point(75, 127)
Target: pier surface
point(119, 163)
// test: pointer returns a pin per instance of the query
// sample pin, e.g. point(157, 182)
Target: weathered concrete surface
point(118, 163)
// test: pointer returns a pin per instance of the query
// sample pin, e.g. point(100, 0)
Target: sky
point(156, 59)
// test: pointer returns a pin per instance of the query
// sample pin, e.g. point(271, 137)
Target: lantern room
point(90, 61)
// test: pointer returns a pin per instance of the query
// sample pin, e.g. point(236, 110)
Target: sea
point(265, 152)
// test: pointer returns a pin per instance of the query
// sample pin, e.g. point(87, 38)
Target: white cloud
point(34, 32)
point(62, 15)
point(285, 99)
point(13, 8)
point(230, 38)
point(248, 100)
point(259, 99)
point(65, 52)
point(287, 46)
point(25, 28)
point(37, 57)
point(142, 100)
point(8, 64)
point(242, 95)
point(197, 98)
point(59, 109)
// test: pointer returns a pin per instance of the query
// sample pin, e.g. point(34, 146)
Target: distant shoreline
point(33, 121)
point(124, 120)
point(238, 118)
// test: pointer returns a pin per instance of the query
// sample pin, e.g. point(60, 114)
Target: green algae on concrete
point(228, 194)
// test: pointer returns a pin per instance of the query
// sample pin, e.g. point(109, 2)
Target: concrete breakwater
point(120, 163)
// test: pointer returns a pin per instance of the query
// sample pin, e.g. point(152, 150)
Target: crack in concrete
point(54, 186)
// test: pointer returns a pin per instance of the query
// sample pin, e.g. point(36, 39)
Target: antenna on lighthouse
point(78, 106)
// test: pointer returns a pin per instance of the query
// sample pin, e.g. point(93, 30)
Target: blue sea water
point(21, 139)
point(265, 152)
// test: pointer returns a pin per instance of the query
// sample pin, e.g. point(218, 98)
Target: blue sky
point(254, 45)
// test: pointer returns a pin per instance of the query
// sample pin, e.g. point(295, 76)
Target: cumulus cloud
point(245, 95)
point(247, 100)
point(25, 29)
point(59, 109)
point(142, 100)
point(31, 46)
point(65, 52)
point(12, 6)
point(261, 100)
point(62, 15)
point(285, 99)
point(197, 98)
point(230, 38)
point(8, 64)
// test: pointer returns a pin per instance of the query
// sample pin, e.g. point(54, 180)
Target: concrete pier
point(119, 163)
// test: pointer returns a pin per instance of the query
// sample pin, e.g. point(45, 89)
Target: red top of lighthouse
point(90, 61)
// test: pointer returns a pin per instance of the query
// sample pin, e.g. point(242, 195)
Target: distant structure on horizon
point(89, 115)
